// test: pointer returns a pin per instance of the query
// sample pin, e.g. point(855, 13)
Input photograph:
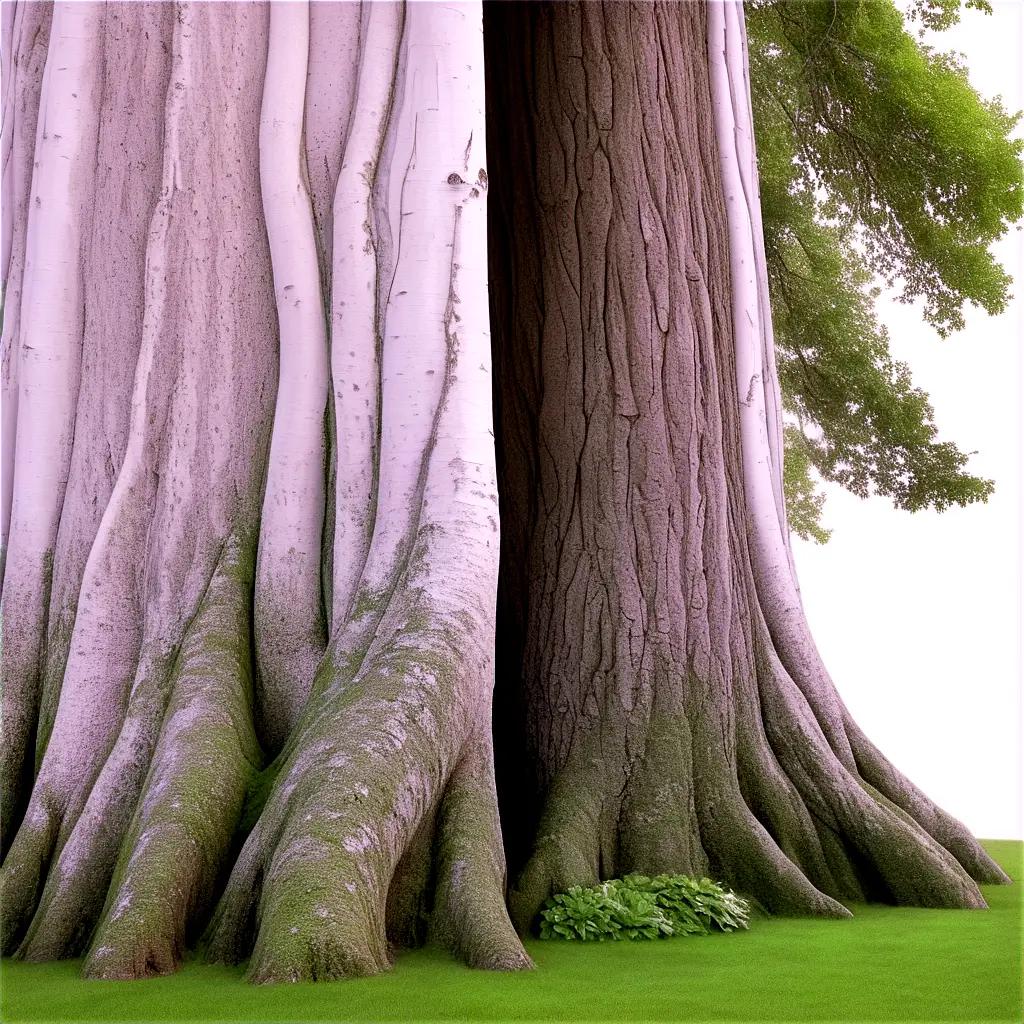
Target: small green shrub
point(638, 907)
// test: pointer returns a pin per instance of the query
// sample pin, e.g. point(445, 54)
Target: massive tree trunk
point(164, 574)
point(249, 477)
point(663, 704)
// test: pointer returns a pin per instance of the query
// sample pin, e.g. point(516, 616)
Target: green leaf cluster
point(878, 161)
point(639, 907)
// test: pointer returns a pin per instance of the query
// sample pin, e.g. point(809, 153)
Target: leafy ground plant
point(639, 907)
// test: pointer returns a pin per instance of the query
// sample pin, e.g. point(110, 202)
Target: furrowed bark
point(641, 493)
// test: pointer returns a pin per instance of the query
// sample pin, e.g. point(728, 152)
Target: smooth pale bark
point(356, 336)
point(199, 427)
point(26, 45)
point(777, 587)
point(46, 369)
point(288, 613)
point(378, 821)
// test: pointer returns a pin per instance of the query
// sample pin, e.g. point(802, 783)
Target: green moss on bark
point(204, 764)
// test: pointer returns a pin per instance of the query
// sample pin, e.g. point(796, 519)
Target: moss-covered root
point(24, 871)
point(566, 851)
point(469, 901)
point(361, 775)
point(913, 867)
point(207, 690)
point(953, 835)
point(744, 854)
point(183, 828)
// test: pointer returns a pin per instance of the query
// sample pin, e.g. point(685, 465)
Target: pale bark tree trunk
point(652, 644)
point(249, 473)
point(190, 619)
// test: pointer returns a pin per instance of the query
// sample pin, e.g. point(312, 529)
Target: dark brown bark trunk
point(662, 732)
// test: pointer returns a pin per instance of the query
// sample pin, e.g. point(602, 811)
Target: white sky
point(919, 615)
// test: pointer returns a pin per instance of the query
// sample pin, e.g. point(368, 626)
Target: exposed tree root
point(181, 836)
point(799, 835)
point(374, 760)
point(877, 772)
point(469, 901)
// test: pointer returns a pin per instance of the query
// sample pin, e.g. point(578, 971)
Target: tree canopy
point(878, 161)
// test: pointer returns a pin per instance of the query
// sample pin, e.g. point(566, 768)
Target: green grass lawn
point(885, 964)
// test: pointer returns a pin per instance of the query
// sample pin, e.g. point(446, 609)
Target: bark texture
point(654, 659)
point(232, 287)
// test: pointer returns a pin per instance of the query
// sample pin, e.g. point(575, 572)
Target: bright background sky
point(918, 616)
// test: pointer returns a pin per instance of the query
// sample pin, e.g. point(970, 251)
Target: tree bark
point(249, 473)
point(167, 531)
point(653, 653)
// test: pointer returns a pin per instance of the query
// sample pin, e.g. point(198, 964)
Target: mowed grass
point(886, 963)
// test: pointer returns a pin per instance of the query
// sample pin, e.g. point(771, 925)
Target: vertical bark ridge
point(332, 67)
point(48, 360)
point(355, 327)
point(771, 559)
point(335, 30)
point(113, 272)
point(288, 614)
point(27, 33)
